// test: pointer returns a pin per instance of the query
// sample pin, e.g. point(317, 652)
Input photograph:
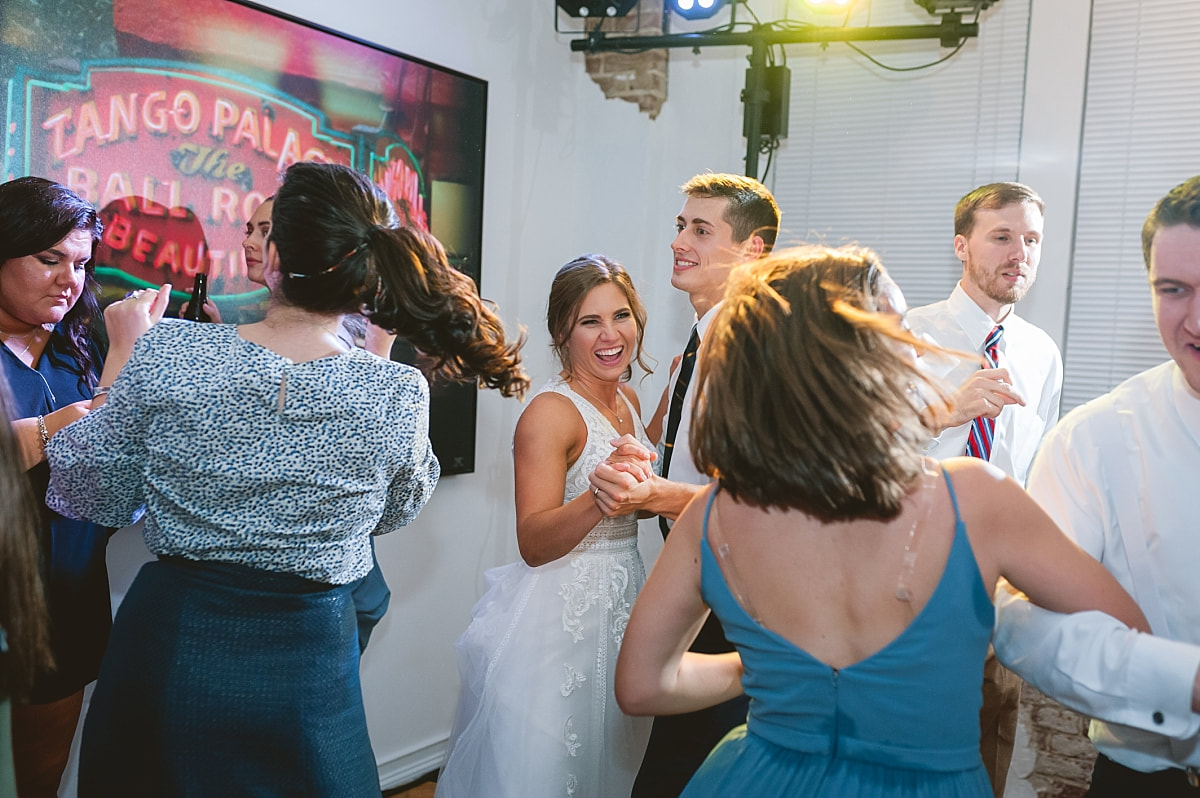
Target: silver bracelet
point(100, 390)
point(42, 431)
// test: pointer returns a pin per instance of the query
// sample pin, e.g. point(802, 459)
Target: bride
point(537, 715)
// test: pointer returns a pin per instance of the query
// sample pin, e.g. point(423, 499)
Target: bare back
point(832, 589)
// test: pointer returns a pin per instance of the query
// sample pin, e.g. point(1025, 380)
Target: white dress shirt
point(1033, 362)
point(683, 467)
point(1141, 684)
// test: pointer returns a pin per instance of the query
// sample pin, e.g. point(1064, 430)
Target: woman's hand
point(126, 320)
point(631, 456)
point(66, 415)
point(209, 307)
point(617, 491)
point(29, 434)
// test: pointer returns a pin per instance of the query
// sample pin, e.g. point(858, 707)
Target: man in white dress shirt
point(1117, 474)
point(726, 220)
point(998, 238)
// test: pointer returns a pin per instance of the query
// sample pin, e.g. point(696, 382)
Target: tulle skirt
point(537, 716)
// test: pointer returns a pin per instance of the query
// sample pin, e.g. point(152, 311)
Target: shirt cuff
point(1165, 670)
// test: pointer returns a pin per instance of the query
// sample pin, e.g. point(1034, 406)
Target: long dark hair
point(35, 214)
point(23, 614)
point(340, 251)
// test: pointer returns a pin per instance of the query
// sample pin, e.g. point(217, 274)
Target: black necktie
point(686, 366)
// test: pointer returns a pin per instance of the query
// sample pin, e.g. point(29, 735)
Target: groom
point(726, 220)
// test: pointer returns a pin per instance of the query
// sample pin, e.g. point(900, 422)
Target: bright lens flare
point(696, 9)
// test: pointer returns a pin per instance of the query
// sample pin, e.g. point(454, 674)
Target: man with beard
point(1008, 398)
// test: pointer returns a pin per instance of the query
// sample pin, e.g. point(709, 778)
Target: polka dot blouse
point(239, 455)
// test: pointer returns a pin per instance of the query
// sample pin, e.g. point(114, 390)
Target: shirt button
point(1158, 718)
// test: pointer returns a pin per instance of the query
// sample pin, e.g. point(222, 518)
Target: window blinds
point(880, 158)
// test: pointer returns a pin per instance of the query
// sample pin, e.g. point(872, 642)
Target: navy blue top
point(72, 551)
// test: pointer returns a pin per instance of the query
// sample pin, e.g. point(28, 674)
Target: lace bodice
point(600, 432)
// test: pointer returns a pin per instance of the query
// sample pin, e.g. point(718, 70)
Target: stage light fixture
point(597, 8)
point(955, 6)
point(696, 9)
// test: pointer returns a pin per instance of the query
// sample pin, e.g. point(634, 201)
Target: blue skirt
point(221, 679)
point(749, 766)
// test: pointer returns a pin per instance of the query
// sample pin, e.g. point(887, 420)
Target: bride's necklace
point(613, 410)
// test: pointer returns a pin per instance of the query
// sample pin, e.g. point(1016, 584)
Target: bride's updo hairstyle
point(341, 250)
point(806, 393)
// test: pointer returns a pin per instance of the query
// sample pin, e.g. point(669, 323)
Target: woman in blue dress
point(48, 307)
point(853, 576)
point(265, 455)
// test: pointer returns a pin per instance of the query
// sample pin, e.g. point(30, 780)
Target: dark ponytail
point(341, 251)
point(438, 310)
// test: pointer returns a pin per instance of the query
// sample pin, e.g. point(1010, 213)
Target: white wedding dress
point(537, 716)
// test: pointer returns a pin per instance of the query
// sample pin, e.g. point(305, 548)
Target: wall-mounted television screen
point(176, 120)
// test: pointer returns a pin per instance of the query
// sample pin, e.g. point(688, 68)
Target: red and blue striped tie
point(983, 429)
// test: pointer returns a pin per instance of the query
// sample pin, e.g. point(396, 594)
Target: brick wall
point(639, 78)
point(1060, 752)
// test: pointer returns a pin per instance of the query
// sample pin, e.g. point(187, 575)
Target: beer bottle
point(195, 308)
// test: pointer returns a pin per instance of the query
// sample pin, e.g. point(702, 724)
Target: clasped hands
point(622, 483)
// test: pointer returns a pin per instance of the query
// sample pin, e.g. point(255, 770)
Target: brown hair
point(751, 209)
point(992, 197)
point(1181, 205)
point(341, 252)
point(804, 399)
point(573, 282)
point(23, 615)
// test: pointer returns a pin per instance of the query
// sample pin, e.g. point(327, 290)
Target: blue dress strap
point(707, 511)
point(953, 497)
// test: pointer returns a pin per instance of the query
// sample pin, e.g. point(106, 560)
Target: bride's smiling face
point(604, 335)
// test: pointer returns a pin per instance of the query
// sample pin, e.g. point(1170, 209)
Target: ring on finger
point(595, 491)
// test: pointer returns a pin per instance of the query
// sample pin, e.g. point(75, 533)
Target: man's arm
point(1089, 661)
point(1096, 665)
